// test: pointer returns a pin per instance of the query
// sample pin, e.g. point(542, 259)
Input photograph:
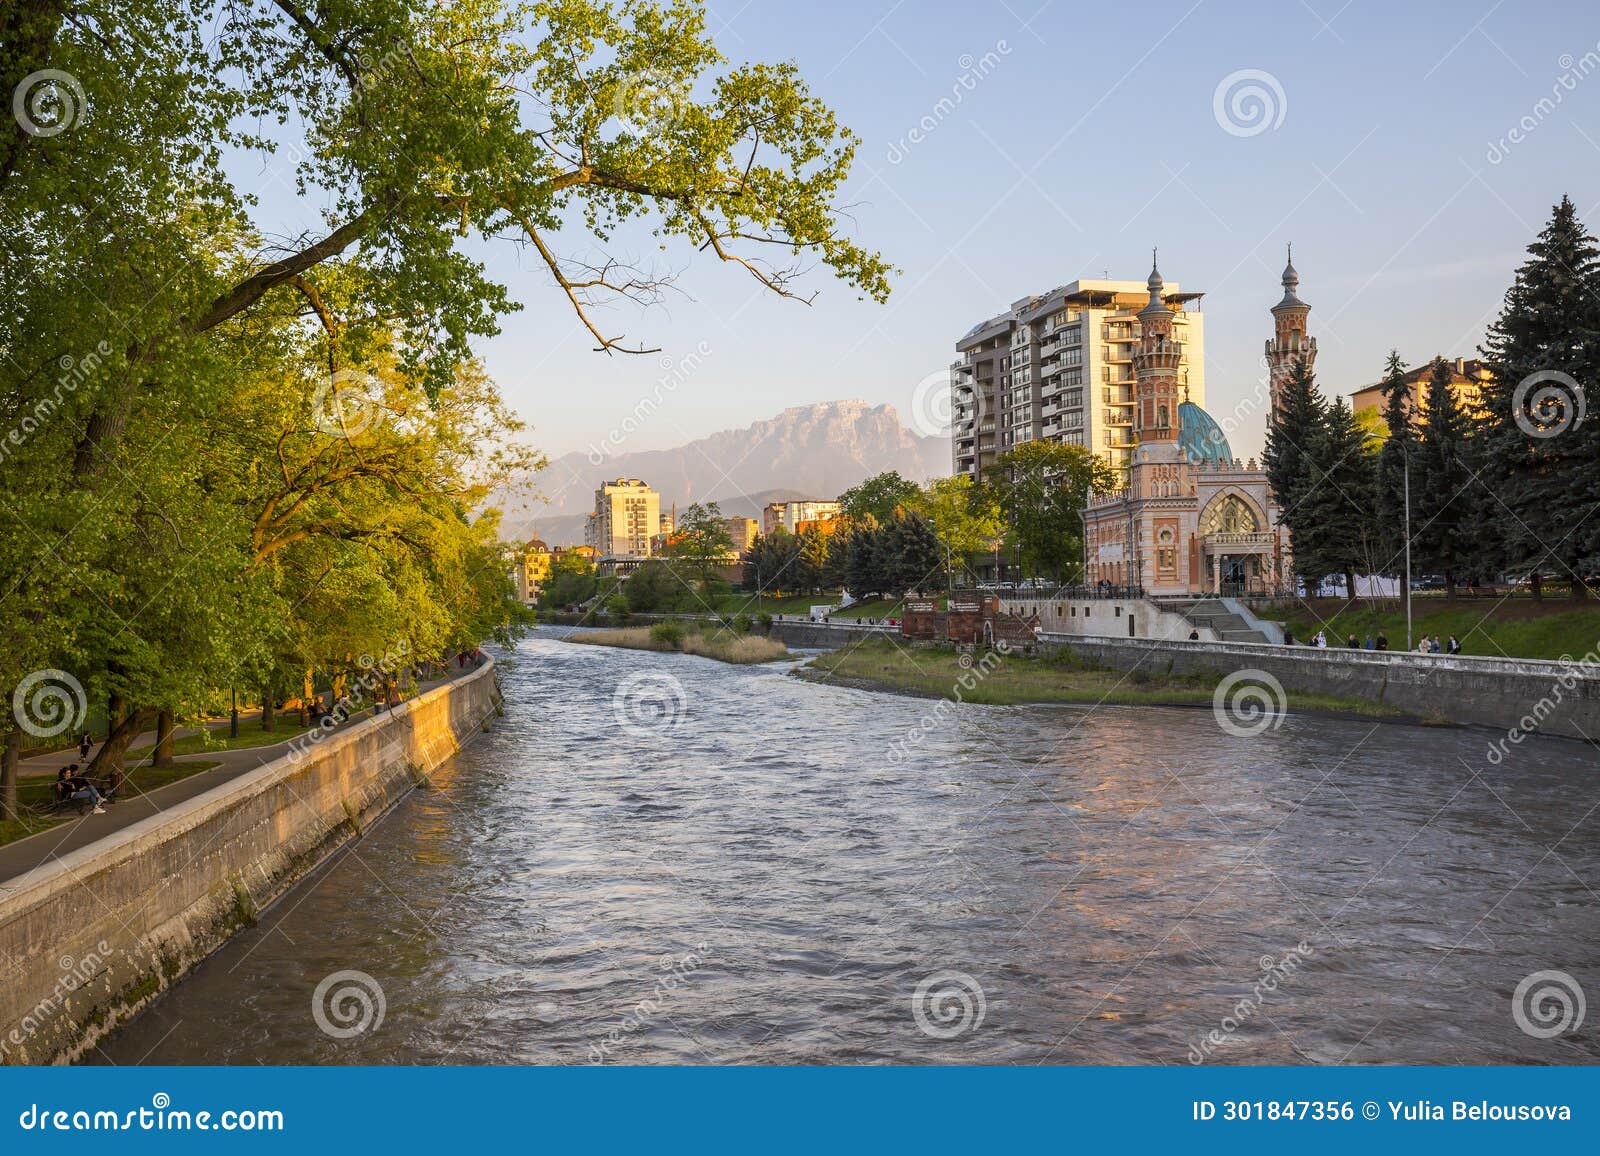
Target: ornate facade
point(1194, 520)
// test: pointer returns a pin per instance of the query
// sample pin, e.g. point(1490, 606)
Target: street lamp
point(1405, 466)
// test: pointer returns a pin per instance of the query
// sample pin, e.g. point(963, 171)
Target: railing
point(1100, 591)
point(1236, 538)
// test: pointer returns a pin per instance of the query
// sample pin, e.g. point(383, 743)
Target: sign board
point(1110, 552)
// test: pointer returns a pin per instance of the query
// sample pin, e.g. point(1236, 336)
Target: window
point(1229, 514)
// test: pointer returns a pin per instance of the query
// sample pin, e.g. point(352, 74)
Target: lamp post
point(1405, 467)
point(233, 725)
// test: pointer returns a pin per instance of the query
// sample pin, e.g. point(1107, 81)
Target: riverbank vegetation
point(36, 809)
point(1019, 679)
point(244, 442)
point(705, 640)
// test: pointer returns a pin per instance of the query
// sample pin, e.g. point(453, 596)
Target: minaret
point(1155, 367)
point(1290, 342)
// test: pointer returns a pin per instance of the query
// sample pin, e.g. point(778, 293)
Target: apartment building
point(741, 532)
point(790, 515)
point(627, 514)
point(1059, 366)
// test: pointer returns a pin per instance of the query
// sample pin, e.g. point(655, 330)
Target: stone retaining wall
point(88, 939)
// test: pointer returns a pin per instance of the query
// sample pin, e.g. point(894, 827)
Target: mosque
point(1194, 520)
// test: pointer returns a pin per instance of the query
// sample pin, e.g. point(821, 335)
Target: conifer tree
point(1443, 511)
point(1291, 435)
point(1337, 505)
point(1389, 485)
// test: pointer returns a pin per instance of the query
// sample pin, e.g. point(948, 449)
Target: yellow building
point(742, 532)
point(627, 515)
point(1468, 377)
point(531, 570)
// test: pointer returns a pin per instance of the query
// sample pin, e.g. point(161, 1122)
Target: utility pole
point(1405, 463)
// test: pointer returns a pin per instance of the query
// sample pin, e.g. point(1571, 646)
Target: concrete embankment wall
point(826, 635)
point(1549, 698)
point(88, 939)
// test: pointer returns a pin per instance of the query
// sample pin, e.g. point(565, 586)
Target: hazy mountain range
point(810, 451)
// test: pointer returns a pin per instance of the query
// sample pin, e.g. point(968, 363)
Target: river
point(748, 873)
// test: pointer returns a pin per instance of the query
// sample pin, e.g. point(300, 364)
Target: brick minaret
point(1155, 367)
point(1290, 342)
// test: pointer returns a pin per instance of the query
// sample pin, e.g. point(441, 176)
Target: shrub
point(617, 607)
point(668, 634)
point(743, 624)
point(764, 620)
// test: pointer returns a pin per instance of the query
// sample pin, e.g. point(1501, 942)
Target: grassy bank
point(35, 796)
point(1519, 627)
point(684, 638)
point(1018, 679)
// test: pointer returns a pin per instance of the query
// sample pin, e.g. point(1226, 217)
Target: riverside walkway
point(24, 855)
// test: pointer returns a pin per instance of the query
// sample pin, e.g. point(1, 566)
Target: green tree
point(1041, 489)
point(882, 496)
point(1339, 502)
point(572, 581)
point(1445, 508)
point(1540, 463)
point(1398, 450)
point(702, 540)
point(965, 516)
point(1295, 428)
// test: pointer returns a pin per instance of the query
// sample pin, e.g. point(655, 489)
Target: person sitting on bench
point(70, 786)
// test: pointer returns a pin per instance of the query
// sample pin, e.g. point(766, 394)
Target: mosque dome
point(1201, 438)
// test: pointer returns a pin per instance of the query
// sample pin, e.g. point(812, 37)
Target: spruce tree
point(1542, 467)
point(1338, 503)
point(1389, 484)
point(1444, 504)
point(1291, 435)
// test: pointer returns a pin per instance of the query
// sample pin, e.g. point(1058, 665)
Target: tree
point(1444, 512)
point(1540, 461)
point(1339, 501)
point(1295, 427)
point(702, 540)
point(1041, 489)
point(882, 496)
point(912, 556)
point(965, 516)
point(572, 581)
point(1397, 452)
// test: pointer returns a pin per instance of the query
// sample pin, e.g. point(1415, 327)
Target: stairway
point(1213, 614)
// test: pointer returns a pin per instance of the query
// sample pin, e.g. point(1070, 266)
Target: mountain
point(809, 451)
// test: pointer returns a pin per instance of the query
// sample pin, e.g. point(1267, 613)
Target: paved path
point(24, 855)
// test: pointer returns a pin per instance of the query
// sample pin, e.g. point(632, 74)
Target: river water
point(751, 873)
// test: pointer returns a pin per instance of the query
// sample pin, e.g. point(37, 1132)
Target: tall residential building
point(1469, 377)
point(789, 515)
point(1059, 366)
point(741, 532)
point(627, 513)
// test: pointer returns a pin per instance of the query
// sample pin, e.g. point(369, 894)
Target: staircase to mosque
point(1213, 614)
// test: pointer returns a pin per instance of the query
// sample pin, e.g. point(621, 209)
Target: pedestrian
point(1434, 645)
point(1366, 643)
point(1455, 645)
point(1352, 644)
point(1425, 646)
point(1194, 636)
point(85, 745)
point(1383, 641)
point(1322, 640)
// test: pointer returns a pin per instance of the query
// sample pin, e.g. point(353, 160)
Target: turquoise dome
point(1200, 437)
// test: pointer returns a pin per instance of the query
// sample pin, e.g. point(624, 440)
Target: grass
point(285, 727)
point(723, 645)
point(800, 604)
point(36, 795)
point(1017, 679)
point(1519, 627)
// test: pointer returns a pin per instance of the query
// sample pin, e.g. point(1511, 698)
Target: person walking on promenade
point(1352, 644)
point(1194, 635)
point(85, 745)
point(1455, 645)
point(1425, 646)
point(1322, 640)
point(1383, 641)
point(1366, 643)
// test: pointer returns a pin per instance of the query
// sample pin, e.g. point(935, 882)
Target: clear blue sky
point(1091, 138)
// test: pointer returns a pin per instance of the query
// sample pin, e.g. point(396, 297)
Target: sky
point(1401, 147)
